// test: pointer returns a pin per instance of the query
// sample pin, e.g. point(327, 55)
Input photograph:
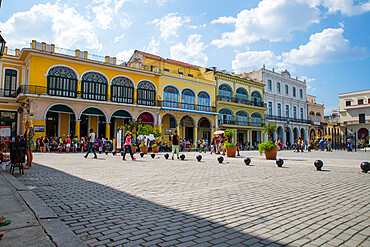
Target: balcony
point(187, 106)
point(285, 119)
point(240, 123)
point(240, 101)
point(356, 122)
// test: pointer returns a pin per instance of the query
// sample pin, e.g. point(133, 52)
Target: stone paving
point(158, 202)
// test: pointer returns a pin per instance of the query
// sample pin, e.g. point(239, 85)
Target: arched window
point(62, 81)
point(256, 120)
point(225, 93)
point(204, 101)
point(187, 99)
point(94, 86)
point(241, 118)
point(256, 98)
point(242, 96)
point(146, 93)
point(226, 116)
point(312, 116)
point(171, 97)
point(318, 117)
point(122, 90)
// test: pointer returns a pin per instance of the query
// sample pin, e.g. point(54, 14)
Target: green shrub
point(228, 145)
point(266, 147)
point(142, 145)
point(155, 145)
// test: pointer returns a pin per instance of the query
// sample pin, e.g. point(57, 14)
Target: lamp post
point(2, 45)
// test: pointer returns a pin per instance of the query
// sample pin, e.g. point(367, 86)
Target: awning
point(93, 112)
point(61, 109)
point(122, 114)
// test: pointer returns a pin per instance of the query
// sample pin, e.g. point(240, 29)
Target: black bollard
point(152, 155)
point(247, 161)
point(220, 159)
point(319, 164)
point(142, 154)
point(365, 166)
point(199, 158)
point(166, 156)
point(114, 153)
point(182, 156)
point(279, 162)
point(106, 152)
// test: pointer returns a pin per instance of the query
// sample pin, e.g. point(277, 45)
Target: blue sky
point(326, 42)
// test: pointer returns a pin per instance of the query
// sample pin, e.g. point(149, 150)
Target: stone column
point(195, 135)
point(107, 130)
point(77, 128)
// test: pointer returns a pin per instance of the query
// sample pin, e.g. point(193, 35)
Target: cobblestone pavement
point(158, 202)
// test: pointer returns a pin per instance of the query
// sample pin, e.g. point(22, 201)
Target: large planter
point(271, 155)
point(133, 149)
point(144, 149)
point(230, 151)
point(155, 149)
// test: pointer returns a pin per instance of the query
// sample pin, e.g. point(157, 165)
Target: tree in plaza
point(269, 129)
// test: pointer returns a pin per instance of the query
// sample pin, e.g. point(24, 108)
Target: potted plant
point(269, 148)
point(229, 146)
point(143, 148)
point(133, 147)
point(155, 148)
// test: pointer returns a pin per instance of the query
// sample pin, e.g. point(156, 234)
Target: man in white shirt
point(91, 144)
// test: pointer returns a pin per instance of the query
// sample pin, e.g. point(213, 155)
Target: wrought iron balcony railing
point(356, 122)
point(187, 106)
point(240, 123)
point(8, 93)
point(239, 100)
point(285, 119)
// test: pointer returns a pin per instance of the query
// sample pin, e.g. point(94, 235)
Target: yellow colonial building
point(186, 94)
point(240, 106)
point(68, 94)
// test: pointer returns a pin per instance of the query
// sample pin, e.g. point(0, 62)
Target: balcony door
point(10, 82)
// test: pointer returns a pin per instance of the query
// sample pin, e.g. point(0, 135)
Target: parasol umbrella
point(219, 132)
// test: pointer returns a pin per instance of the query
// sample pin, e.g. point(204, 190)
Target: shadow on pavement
point(101, 215)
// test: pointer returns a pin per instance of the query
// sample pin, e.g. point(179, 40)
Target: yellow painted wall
point(64, 124)
point(93, 123)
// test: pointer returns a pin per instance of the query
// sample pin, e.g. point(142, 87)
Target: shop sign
point(39, 128)
point(168, 132)
point(5, 131)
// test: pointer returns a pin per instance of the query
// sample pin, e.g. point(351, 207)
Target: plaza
point(158, 202)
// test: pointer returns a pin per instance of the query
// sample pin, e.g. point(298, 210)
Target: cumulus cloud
point(309, 83)
point(347, 7)
point(153, 46)
point(119, 38)
point(125, 55)
point(327, 46)
point(169, 24)
point(52, 23)
point(191, 52)
point(224, 20)
point(273, 20)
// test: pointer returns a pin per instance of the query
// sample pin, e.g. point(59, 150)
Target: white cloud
point(309, 82)
point(125, 55)
point(52, 23)
point(273, 20)
point(197, 27)
point(327, 46)
point(191, 52)
point(224, 20)
point(169, 24)
point(153, 46)
point(246, 61)
point(347, 7)
point(119, 38)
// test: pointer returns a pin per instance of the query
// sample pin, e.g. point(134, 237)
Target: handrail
point(240, 100)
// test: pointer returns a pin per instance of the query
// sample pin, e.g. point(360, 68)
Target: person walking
point(91, 144)
point(28, 135)
point(175, 144)
point(128, 140)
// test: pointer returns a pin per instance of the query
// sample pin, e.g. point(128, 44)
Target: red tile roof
point(158, 58)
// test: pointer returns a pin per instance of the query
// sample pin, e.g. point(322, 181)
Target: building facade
point(186, 94)
point(68, 94)
point(240, 104)
point(354, 113)
point(333, 126)
point(317, 129)
point(286, 104)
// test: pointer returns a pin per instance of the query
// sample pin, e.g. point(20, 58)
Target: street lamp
point(2, 45)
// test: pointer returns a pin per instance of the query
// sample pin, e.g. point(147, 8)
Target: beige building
point(332, 126)
point(316, 116)
point(354, 110)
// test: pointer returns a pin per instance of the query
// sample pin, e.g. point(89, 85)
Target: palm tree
point(270, 129)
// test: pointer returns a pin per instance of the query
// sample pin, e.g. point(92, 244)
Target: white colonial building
point(354, 110)
point(286, 102)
